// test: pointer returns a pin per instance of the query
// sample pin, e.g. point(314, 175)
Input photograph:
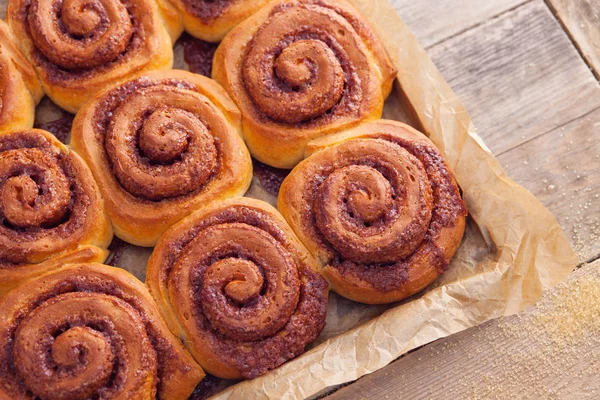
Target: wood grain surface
point(581, 19)
point(518, 75)
point(562, 169)
point(433, 21)
point(524, 69)
point(548, 352)
point(536, 103)
point(533, 100)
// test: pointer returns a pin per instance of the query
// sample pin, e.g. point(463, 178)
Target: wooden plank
point(433, 21)
point(518, 76)
point(550, 351)
point(581, 18)
point(561, 168)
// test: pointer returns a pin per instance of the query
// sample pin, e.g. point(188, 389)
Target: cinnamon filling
point(310, 74)
point(379, 205)
point(198, 54)
point(252, 300)
point(79, 39)
point(270, 178)
point(80, 336)
point(80, 34)
point(60, 127)
point(159, 139)
point(207, 10)
point(45, 198)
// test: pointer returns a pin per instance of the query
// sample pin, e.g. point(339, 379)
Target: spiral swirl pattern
point(161, 146)
point(241, 286)
point(49, 203)
point(82, 46)
point(89, 331)
point(91, 33)
point(380, 209)
point(20, 90)
point(299, 70)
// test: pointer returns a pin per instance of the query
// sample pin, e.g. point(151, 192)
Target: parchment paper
point(513, 247)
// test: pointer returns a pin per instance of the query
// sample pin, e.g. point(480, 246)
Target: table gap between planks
point(527, 72)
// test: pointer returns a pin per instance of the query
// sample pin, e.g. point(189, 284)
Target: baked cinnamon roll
point(299, 70)
point(89, 331)
point(49, 206)
point(160, 147)
point(79, 47)
point(20, 89)
point(210, 20)
point(379, 208)
point(240, 290)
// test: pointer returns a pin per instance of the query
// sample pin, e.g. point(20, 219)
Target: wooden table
point(527, 72)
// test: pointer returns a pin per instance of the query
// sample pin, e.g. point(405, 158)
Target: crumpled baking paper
point(513, 247)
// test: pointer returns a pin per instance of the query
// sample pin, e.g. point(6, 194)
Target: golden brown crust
point(257, 299)
point(79, 47)
point(20, 89)
point(299, 70)
point(171, 18)
point(105, 336)
point(161, 146)
point(13, 275)
point(210, 20)
point(379, 208)
point(49, 205)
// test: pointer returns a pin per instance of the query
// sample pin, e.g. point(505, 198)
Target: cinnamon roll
point(79, 47)
point(89, 331)
point(20, 89)
point(49, 207)
point(210, 20)
point(299, 70)
point(236, 285)
point(161, 146)
point(379, 208)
